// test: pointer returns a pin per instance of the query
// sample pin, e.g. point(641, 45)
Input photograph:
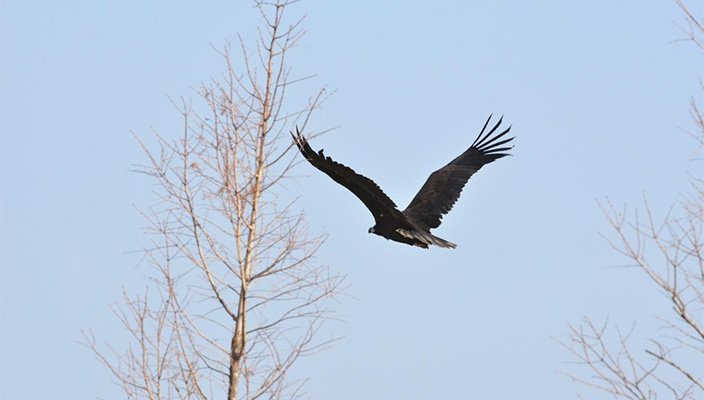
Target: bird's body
point(436, 198)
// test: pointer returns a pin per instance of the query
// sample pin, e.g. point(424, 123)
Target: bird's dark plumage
point(435, 199)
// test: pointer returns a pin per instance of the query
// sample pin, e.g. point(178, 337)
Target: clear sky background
point(597, 93)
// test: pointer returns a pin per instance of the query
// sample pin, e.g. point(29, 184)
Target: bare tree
point(676, 267)
point(671, 254)
point(236, 297)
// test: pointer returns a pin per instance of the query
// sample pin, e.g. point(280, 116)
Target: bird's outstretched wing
point(443, 187)
point(364, 188)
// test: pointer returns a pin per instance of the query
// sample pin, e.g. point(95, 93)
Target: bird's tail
point(426, 238)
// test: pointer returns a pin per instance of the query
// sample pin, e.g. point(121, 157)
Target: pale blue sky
point(597, 93)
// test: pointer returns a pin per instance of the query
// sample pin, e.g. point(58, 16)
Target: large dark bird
point(436, 198)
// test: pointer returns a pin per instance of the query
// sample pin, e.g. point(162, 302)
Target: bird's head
point(371, 230)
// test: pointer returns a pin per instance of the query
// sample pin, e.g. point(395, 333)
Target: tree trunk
point(237, 347)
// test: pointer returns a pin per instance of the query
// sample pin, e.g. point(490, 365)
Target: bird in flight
point(435, 199)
